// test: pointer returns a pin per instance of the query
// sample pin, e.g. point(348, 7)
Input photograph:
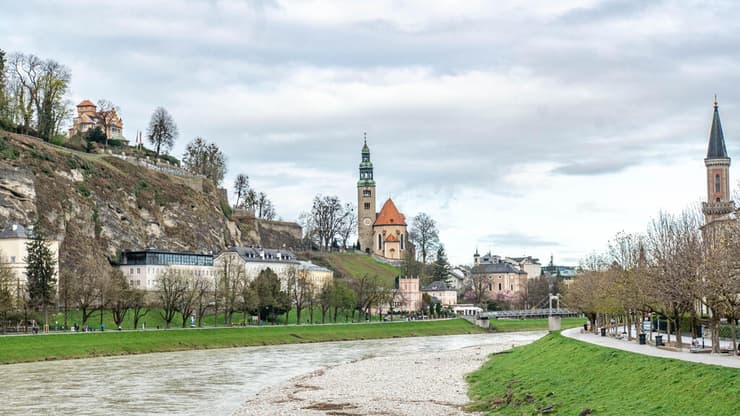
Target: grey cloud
point(592, 168)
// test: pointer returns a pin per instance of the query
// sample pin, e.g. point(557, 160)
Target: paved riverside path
point(633, 346)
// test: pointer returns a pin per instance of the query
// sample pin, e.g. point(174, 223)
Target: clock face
point(366, 221)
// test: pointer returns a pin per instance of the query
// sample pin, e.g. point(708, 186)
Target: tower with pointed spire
point(366, 213)
point(717, 163)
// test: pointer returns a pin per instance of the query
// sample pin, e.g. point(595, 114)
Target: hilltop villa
point(88, 117)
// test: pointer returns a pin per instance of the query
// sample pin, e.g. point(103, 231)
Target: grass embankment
point(573, 376)
point(84, 345)
point(352, 264)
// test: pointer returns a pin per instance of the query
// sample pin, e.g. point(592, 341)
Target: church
point(383, 234)
point(719, 206)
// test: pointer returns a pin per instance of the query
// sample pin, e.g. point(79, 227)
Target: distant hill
point(351, 264)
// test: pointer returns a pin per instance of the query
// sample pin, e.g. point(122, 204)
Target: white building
point(143, 268)
point(440, 291)
point(13, 239)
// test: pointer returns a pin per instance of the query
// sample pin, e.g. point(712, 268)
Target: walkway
point(633, 346)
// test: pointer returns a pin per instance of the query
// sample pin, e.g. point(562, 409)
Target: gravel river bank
point(423, 383)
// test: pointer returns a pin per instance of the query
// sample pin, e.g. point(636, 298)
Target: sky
point(523, 128)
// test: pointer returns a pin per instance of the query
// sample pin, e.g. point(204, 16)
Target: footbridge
point(529, 313)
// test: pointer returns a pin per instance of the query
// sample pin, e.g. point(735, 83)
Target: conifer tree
point(441, 267)
point(40, 272)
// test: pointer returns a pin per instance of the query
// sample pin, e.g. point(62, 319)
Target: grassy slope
point(608, 381)
point(63, 346)
point(350, 264)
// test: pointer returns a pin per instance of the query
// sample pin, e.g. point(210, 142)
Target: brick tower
point(717, 162)
point(365, 201)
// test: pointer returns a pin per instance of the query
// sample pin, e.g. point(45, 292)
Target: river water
point(211, 382)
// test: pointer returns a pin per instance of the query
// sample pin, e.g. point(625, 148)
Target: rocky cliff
point(109, 204)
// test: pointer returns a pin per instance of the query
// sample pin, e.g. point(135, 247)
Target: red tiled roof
point(389, 215)
point(86, 103)
point(391, 238)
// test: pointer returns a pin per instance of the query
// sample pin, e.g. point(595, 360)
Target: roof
point(14, 231)
point(86, 103)
point(389, 215)
point(436, 286)
point(496, 268)
point(716, 148)
point(307, 265)
point(259, 254)
point(391, 238)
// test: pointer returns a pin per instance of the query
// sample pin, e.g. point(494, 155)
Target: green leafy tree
point(40, 272)
point(270, 300)
point(96, 135)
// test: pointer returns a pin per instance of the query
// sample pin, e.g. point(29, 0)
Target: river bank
point(17, 349)
point(429, 383)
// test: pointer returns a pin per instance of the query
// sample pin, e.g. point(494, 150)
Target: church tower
point(718, 173)
point(365, 201)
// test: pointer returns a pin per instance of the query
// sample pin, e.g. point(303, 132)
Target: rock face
point(115, 204)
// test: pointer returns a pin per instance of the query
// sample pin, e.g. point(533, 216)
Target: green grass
point(15, 349)
point(351, 264)
point(516, 325)
point(154, 319)
point(574, 376)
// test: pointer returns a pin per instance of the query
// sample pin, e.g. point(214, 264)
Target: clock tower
point(365, 201)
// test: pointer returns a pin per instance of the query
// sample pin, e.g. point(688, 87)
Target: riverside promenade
point(724, 360)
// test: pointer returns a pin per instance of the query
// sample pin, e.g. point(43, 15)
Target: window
point(499, 286)
point(367, 205)
point(138, 270)
point(402, 246)
point(380, 242)
point(366, 193)
point(131, 271)
point(716, 183)
point(512, 287)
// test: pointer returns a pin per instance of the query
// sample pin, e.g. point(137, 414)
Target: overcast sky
point(539, 129)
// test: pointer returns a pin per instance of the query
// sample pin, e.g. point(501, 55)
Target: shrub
point(58, 140)
point(82, 189)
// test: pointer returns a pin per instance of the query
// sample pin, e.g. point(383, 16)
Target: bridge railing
point(530, 313)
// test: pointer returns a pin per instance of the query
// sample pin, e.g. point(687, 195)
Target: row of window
point(500, 287)
point(168, 259)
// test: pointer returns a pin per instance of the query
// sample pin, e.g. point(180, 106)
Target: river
point(213, 382)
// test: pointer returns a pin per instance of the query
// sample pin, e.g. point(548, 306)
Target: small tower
point(365, 201)
point(476, 258)
point(718, 173)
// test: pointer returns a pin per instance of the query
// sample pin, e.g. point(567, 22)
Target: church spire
point(717, 149)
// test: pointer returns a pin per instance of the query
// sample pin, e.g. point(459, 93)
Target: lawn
point(354, 265)
point(81, 345)
point(569, 377)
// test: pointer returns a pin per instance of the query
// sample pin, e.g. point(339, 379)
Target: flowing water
point(210, 382)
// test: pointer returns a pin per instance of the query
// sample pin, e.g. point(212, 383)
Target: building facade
point(13, 240)
point(407, 296)
point(440, 292)
point(142, 269)
point(365, 202)
point(502, 280)
point(249, 262)
point(88, 117)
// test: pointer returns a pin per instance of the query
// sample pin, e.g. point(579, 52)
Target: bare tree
point(171, 287)
point(107, 116)
point(241, 187)
point(369, 291)
point(162, 131)
point(139, 305)
point(299, 290)
point(424, 235)
point(231, 281)
point(7, 278)
point(201, 288)
point(120, 297)
point(326, 218)
point(349, 224)
point(203, 158)
point(478, 286)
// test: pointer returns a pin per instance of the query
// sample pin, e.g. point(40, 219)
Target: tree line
point(677, 269)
